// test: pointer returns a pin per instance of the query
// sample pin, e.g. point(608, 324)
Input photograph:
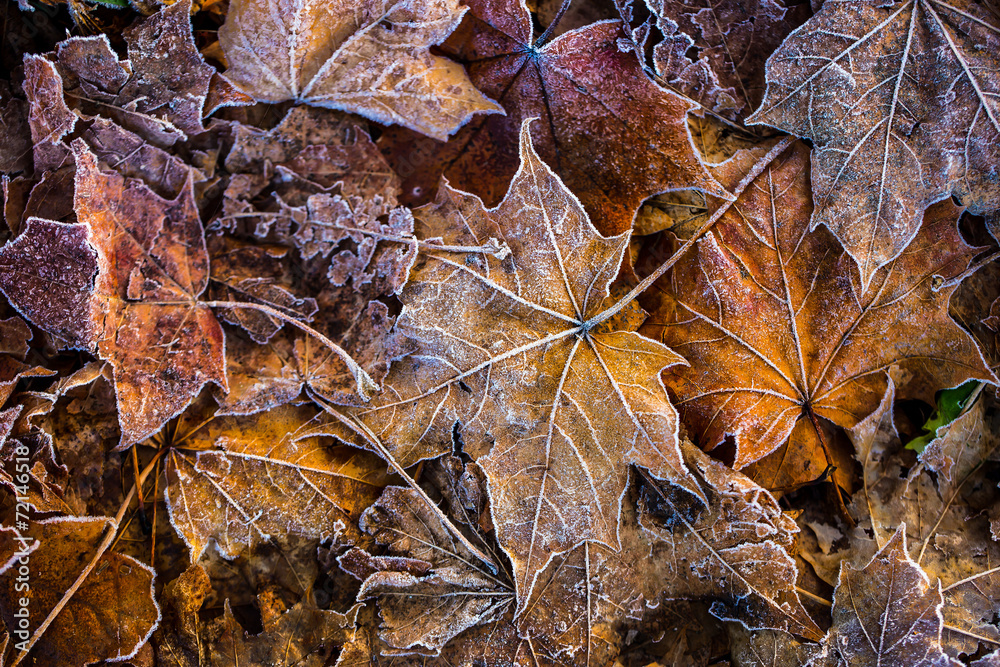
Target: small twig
point(813, 596)
point(362, 430)
point(492, 247)
point(756, 171)
point(969, 271)
point(366, 386)
point(553, 24)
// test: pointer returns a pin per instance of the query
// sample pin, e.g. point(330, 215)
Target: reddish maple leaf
point(611, 134)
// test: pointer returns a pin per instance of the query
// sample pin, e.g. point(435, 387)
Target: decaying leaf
point(942, 501)
point(772, 319)
point(901, 101)
point(109, 617)
point(250, 477)
point(430, 570)
point(613, 136)
point(553, 410)
point(888, 612)
point(731, 39)
point(302, 636)
point(370, 57)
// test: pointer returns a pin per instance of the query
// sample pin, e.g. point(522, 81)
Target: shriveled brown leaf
point(302, 636)
point(253, 273)
point(735, 551)
point(888, 612)
point(552, 410)
point(771, 318)
point(901, 102)
point(731, 39)
point(108, 618)
point(266, 376)
point(945, 514)
point(370, 57)
point(249, 478)
point(435, 588)
point(612, 135)
point(333, 194)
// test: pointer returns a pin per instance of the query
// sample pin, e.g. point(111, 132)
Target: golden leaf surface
point(773, 322)
point(251, 477)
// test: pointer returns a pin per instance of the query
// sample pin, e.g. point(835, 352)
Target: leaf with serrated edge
point(554, 411)
point(901, 101)
point(265, 478)
point(769, 316)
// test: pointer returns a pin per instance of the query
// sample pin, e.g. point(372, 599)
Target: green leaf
point(951, 403)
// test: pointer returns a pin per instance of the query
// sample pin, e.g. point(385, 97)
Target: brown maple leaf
point(370, 57)
point(110, 616)
point(554, 409)
point(888, 612)
point(772, 319)
point(901, 101)
point(612, 135)
point(238, 480)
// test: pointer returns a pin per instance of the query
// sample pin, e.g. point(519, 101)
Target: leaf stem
point(492, 247)
point(553, 24)
point(754, 172)
point(362, 430)
point(365, 385)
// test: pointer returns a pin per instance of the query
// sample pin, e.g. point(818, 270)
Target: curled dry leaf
point(732, 40)
point(553, 410)
point(612, 135)
point(888, 612)
point(901, 101)
point(772, 319)
point(248, 478)
point(333, 193)
point(109, 617)
point(302, 636)
point(370, 57)
point(735, 551)
point(431, 571)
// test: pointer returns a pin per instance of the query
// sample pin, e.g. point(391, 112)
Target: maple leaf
point(612, 135)
point(772, 320)
point(553, 409)
point(428, 564)
point(369, 57)
point(251, 477)
point(888, 612)
point(110, 616)
point(900, 99)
